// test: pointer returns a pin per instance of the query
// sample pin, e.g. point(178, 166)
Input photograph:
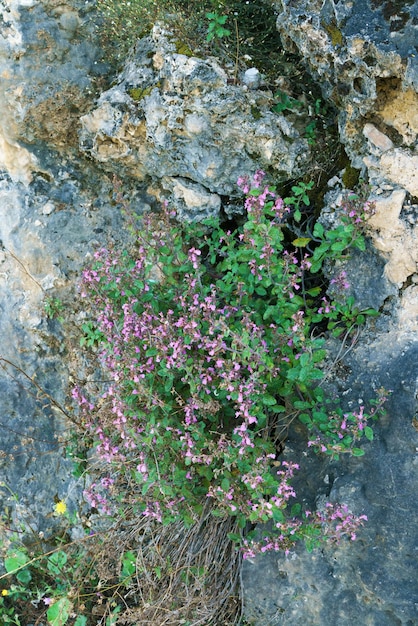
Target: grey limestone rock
point(364, 54)
point(372, 580)
point(176, 116)
point(174, 122)
point(47, 231)
point(49, 65)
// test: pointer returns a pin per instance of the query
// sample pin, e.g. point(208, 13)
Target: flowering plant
point(206, 337)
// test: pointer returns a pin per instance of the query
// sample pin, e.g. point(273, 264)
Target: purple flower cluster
point(357, 211)
point(344, 430)
point(333, 523)
point(338, 522)
point(197, 354)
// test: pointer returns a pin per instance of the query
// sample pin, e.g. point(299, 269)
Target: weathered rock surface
point(173, 125)
point(48, 67)
point(393, 229)
point(373, 580)
point(48, 223)
point(175, 118)
point(47, 232)
point(364, 54)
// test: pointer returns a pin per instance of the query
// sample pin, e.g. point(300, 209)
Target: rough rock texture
point(393, 229)
point(50, 218)
point(373, 580)
point(395, 233)
point(177, 117)
point(363, 53)
point(47, 232)
point(364, 56)
point(48, 65)
point(172, 124)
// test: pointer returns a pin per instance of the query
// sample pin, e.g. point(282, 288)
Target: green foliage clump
point(207, 339)
point(54, 308)
point(43, 579)
point(285, 103)
point(207, 335)
point(216, 28)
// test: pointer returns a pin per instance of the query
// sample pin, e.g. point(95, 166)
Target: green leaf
point(293, 374)
point(277, 408)
point(320, 417)
point(56, 562)
point(301, 404)
point(80, 621)
point(335, 234)
point(369, 433)
point(270, 311)
point(168, 385)
point(149, 483)
point(324, 428)
point(24, 576)
point(16, 561)
point(360, 244)
point(316, 266)
point(318, 230)
point(301, 242)
point(295, 510)
point(225, 484)
point(242, 522)
point(305, 373)
point(357, 452)
point(128, 564)
point(339, 246)
point(305, 419)
point(268, 400)
point(319, 355)
point(278, 515)
point(113, 618)
point(304, 359)
point(321, 251)
point(59, 612)
point(310, 546)
point(297, 215)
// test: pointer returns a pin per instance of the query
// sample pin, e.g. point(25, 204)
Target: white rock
point(252, 78)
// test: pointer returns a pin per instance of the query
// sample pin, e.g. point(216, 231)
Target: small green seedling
point(216, 28)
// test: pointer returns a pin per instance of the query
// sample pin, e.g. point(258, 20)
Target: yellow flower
point(60, 507)
point(4, 592)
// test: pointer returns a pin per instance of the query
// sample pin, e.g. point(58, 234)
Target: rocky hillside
point(176, 126)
